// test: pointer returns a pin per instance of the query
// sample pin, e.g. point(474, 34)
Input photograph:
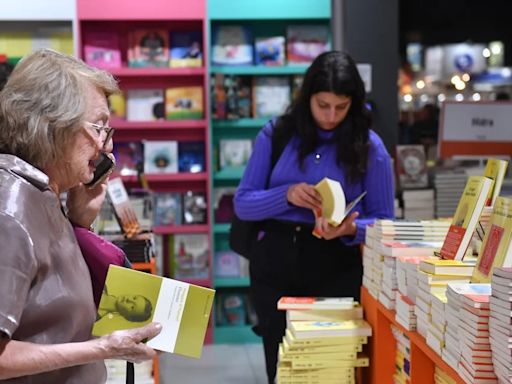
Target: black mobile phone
point(104, 167)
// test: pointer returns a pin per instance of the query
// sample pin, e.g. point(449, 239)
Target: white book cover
point(145, 104)
point(160, 156)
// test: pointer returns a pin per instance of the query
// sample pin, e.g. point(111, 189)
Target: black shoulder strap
point(277, 148)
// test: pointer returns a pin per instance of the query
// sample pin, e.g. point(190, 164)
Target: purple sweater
point(254, 201)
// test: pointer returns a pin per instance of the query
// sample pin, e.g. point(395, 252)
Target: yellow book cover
point(184, 103)
point(307, 329)
point(318, 341)
point(297, 350)
point(495, 169)
point(445, 267)
point(334, 204)
point(495, 251)
point(132, 299)
point(466, 217)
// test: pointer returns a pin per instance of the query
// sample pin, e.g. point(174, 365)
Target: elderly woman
point(53, 123)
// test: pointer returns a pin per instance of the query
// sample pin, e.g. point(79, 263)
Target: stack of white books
point(437, 327)
point(475, 350)
point(418, 204)
point(500, 323)
point(372, 269)
point(449, 185)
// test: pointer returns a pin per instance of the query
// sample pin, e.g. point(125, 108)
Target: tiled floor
point(219, 364)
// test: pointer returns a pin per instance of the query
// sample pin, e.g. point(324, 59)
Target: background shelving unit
point(264, 18)
point(116, 18)
point(382, 348)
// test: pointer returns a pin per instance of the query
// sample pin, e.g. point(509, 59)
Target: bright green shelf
point(221, 228)
point(229, 174)
point(259, 69)
point(240, 123)
point(226, 282)
point(235, 334)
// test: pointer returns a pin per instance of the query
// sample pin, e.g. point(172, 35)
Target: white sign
point(479, 122)
point(365, 71)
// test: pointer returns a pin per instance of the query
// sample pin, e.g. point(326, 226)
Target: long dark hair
point(334, 72)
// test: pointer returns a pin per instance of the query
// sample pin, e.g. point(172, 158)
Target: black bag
point(243, 234)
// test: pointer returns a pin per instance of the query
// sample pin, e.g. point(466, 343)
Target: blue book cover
point(191, 156)
point(186, 49)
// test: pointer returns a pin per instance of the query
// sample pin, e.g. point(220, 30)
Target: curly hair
point(334, 72)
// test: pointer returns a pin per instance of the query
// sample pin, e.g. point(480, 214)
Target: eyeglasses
point(104, 132)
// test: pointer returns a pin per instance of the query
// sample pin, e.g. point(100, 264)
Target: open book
point(132, 299)
point(334, 204)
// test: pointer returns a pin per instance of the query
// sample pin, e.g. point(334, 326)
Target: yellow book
point(184, 103)
point(466, 217)
point(334, 204)
point(132, 299)
point(495, 251)
point(294, 350)
point(495, 169)
point(323, 341)
point(445, 267)
point(308, 329)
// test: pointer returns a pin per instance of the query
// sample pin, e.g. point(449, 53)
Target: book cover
point(289, 302)
point(160, 156)
point(466, 217)
point(184, 103)
point(446, 267)
point(145, 104)
point(191, 156)
point(495, 169)
point(102, 50)
point(117, 105)
point(233, 309)
point(227, 264)
point(123, 209)
point(411, 166)
point(271, 96)
point(195, 208)
point(167, 209)
point(129, 157)
point(269, 50)
point(186, 49)
point(189, 256)
point(234, 153)
point(132, 299)
point(306, 42)
point(306, 329)
point(408, 248)
point(495, 251)
point(148, 48)
point(224, 209)
point(232, 45)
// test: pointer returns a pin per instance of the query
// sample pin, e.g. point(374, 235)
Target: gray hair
point(43, 105)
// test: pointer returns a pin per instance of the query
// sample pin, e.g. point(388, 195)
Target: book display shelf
point(27, 25)
point(382, 349)
point(101, 23)
point(255, 20)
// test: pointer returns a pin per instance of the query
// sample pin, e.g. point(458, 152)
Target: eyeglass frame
point(109, 131)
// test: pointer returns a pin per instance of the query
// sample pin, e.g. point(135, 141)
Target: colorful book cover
point(269, 50)
point(233, 309)
point(145, 104)
point(232, 45)
point(129, 157)
point(306, 42)
point(132, 299)
point(495, 251)
point(191, 156)
point(466, 217)
point(167, 209)
point(411, 166)
point(160, 156)
point(195, 208)
point(234, 153)
point(495, 169)
point(305, 329)
point(290, 302)
point(123, 209)
point(186, 49)
point(102, 50)
point(227, 264)
point(184, 103)
point(189, 256)
point(148, 48)
point(271, 95)
point(117, 105)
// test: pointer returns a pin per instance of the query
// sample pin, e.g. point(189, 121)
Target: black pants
point(289, 261)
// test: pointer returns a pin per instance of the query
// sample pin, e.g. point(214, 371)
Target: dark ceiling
point(433, 22)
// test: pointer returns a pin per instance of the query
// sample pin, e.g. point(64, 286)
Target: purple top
point(254, 201)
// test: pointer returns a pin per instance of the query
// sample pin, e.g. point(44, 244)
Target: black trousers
point(289, 261)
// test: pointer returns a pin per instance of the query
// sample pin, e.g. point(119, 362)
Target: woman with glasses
point(53, 126)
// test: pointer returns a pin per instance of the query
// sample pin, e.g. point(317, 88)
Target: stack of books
point(441, 377)
point(323, 341)
point(403, 356)
point(418, 204)
point(449, 185)
point(475, 350)
point(500, 323)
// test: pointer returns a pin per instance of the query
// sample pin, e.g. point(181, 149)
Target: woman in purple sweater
point(325, 133)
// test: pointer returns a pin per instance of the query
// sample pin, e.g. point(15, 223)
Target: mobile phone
point(104, 167)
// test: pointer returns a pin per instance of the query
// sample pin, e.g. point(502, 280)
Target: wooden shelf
point(228, 282)
point(170, 229)
point(150, 71)
point(382, 348)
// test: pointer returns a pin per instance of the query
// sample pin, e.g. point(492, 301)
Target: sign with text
point(475, 128)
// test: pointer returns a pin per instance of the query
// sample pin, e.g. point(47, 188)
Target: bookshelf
point(263, 18)
point(382, 348)
point(114, 18)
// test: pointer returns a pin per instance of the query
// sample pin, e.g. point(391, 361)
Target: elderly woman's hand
point(84, 203)
point(128, 344)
